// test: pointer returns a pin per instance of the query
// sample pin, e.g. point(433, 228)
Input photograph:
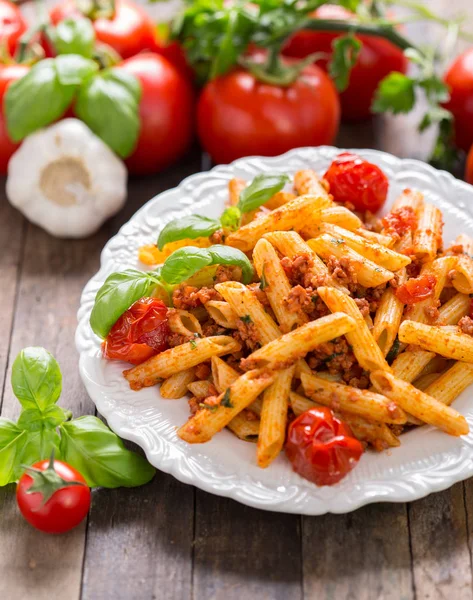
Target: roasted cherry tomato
point(240, 116)
point(128, 30)
point(8, 74)
point(141, 332)
point(469, 167)
point(356, 181)
point(459, 79)
point(12, 26)
point(416, 289)
point(47, 499)
point(376, 60)
point(322, 448)
point(401, 221)
point(166, 113)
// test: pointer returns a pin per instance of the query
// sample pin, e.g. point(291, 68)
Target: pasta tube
point(428, 235)
point(451, 344)
point(175, 387)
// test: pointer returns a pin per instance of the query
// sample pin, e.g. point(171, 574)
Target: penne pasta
point(245, 429)
point(388, 317)
point(183, 323)
point(408, 199)
point(446, 387)
point(453, 310)
point(428, 236)
point(201, 389)
point(235, 188)
point(462, 275)
point(175, 387)
point(278, 200)
point(373, 236)
point(423, 382)
point(223, 375)
point(308, 182)
point(466, 242)
point(410, 364)
point(450, 344)
point(222, 313)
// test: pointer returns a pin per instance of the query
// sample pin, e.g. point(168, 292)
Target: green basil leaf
point(261, 189)
point(38, 446)
point(109, 104)
point(226, 255)
point(346, 50)
point(11, 439)
point(231, 218)
point(74, 36)
point(395, 93)
point(44, 93)
point(95, 451)
point(183, 263)
point(33, 419)
point(36, 378)
point(117, 294)
point(190, 227)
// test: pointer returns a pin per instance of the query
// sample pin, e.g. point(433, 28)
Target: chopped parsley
point(314, 298)
point(246, 319)
point(392, 354)
point(263, 283)
point(378, 270)
point(337, 242)
point(210, 407)
point(225, 401)
point(193, 344)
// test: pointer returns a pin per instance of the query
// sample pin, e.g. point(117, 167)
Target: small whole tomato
point(416, 289)
point(12, 26)
point(377, 58)
point(8, 74)
point(459, 79)
point(469, 167)
point(140, 333)
point(238, 115)
point(128, 30)
point(356, 181)
point(52, 496)
point(166, 113)
point(322, 448)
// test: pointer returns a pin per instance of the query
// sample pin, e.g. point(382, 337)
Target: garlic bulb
point(66, 180)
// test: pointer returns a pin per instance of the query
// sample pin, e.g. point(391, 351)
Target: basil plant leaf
point(36, 378)
point(74, 36)
point(226, 255)
point(33, 419)
point(231, 218)
point(109, 104)
point(116, 295)
point(346, 50)
point(42, 95)
point(261, 189)
point(95, 451)
point(395, 93)
point(183, 263)
point(191, 227)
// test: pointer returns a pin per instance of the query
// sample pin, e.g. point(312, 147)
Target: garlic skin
point(66, 180)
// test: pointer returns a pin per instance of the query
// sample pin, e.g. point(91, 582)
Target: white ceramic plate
point(427, 461)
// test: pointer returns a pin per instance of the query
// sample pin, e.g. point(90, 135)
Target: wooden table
point(169, 541)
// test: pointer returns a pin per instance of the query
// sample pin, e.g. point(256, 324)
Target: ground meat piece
point(227, 273)
point(210, 327)
point(336, 356)
point(466, 325)
point(259, 293)
point(342, 271)
point(362, 382)
point(187, 297)
point(208, 293)
point(193, 405)
point(247, 335)
point(218, 237)
point(299, 271)
point(373, 297)
point(176, 339)
point(432, 312)
point(363, 305)
point(202, 371)
point(298, 300)
point(413, 269)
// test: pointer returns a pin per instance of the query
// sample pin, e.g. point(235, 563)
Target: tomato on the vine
point(166, 113)
point(356, 181)
point(238, 115)
point(321, 447)
point(8, 74)
point(140, 333)
point(376, 60)
point(459, 79)
point(12, 26)
point(128, 30)
point(52, 496)
point(469, 167)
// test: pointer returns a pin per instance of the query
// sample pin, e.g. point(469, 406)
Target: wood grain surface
point(168, 541)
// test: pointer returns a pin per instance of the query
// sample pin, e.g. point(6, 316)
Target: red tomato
point(166, 113)
point(12, 26)
point(129, 31)
point(401, 221)
point(459, 79)
point(140, 333)
point(356, 181)
point(469, 167)
point(416, 289)
point(322, 448)
point(175, 54)
point(8, 73)
point(239, 116)
point(376, 60)
point(56, 507)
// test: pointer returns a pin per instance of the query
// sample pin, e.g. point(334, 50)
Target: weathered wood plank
point(241, 552)
point(363, 555)
point(439, 540)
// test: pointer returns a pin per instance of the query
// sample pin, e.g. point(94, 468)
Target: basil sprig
point(43, 427)
point(183, 263)
point(74, 36)
point(191, 227)
point(260, 190)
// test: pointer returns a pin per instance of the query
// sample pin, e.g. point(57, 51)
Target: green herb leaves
point(190, 227)
point(345, 54)
point(44, 93)
point(108, 104)
point(74, 36)
point(43, 427)
point(260, 191)
point(396, 93)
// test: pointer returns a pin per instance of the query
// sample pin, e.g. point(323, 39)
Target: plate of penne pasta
point(295, 333)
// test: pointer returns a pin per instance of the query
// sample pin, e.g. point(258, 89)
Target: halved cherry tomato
point(238, 115)
point(376, 60)
point(55, 506)
point(356, 181)
point(469, 167)
point(459, 79)
point(129, 30)
point(140, 333)
point(416, 289)
point(12, 26)
point(400, 221)
point(8, 74)
point(322, 448)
